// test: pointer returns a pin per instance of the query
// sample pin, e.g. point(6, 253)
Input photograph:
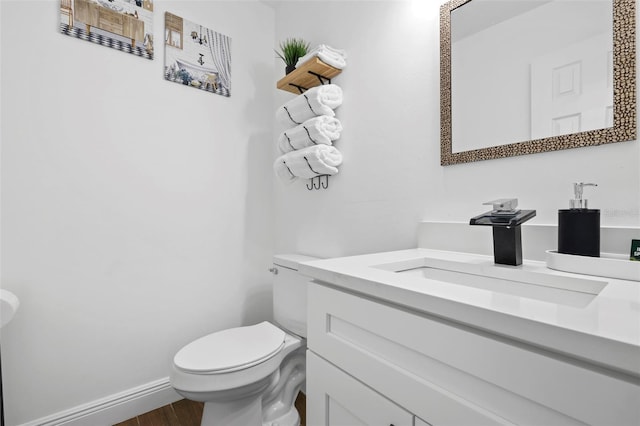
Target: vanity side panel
point(427, 358)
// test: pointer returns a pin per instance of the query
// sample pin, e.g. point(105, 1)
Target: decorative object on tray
point(635, 250)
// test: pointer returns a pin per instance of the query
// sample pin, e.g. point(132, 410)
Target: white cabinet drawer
point(450, 374)
point(336, 399)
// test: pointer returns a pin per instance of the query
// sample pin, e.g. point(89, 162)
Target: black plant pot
point(289, 68)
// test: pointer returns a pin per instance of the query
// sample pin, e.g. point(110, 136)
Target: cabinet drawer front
point(336, 399)
point(441, 371)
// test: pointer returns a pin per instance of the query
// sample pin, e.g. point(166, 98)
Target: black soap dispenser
point(579, 226)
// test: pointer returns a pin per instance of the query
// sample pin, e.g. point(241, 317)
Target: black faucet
point(505, 220)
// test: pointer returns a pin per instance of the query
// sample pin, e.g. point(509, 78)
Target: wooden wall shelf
point(307, 75)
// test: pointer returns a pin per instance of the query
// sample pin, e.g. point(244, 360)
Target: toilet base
point(291, 418)
point(246, 412)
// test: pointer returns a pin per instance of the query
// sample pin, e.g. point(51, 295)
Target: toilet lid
point(232, 349)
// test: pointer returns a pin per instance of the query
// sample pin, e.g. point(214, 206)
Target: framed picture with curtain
point(196, 56)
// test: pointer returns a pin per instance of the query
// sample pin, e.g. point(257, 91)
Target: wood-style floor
point(189, 413)
point(180, 413)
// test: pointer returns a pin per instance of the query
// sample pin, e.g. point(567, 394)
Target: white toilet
point(250, 376)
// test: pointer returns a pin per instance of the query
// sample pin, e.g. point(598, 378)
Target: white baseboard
point(114, 408)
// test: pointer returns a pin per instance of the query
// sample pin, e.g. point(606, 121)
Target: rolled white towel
point(318, 130)
point(283, 172)
point(319, 100)
point(308, 163)
point(337, 58)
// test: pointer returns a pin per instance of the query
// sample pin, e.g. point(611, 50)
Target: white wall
point(391, 177)
point(136, 213)
point(389, 115)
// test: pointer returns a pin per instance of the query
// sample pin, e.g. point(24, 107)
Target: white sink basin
point(9, 304)
point(563, 290)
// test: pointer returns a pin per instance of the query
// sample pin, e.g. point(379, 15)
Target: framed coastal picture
point(196, 56)
point(126, 25)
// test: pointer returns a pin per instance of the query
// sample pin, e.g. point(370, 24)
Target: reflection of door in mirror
point(572, 88)
point(508, 58)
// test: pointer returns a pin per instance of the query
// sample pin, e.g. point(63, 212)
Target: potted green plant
point(291, 50)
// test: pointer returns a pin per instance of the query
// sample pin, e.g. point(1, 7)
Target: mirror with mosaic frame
point(622, 111)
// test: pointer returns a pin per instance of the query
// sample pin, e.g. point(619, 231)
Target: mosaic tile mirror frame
point(617, 115)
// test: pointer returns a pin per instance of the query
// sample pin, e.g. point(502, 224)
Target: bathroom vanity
point(432, 337)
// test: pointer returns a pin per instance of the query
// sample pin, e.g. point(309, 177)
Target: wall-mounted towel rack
point(317, 182)
point(312, 73)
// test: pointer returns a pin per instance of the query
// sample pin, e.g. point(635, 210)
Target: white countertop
point(604, 330)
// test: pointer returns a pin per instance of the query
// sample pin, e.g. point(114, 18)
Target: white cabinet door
point(336, 399)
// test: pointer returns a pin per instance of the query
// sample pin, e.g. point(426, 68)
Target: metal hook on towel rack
point(317, 182)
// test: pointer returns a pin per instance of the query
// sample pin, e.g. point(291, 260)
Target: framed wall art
point(196, 56)
point(126, 25)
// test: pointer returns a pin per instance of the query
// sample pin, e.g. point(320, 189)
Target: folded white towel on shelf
point(337, 58)
point(317, 130)
point(308, 163)
point(319, 100)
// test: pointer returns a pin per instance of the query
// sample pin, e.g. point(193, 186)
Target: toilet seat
point(231, 350)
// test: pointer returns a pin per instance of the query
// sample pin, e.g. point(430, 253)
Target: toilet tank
point(290, 293)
